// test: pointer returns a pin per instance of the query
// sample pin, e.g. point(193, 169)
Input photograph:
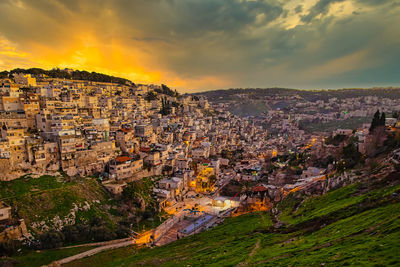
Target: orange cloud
point(86, 52)
point(8, 49)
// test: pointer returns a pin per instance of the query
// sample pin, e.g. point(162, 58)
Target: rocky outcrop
point(57, 223)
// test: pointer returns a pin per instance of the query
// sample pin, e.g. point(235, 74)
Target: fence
point(164, 227)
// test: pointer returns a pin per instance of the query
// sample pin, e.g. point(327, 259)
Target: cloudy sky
point(197, 45)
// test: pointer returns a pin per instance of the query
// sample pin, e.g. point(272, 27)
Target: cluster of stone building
point(115, 131)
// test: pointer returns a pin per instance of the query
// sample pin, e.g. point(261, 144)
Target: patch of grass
point(43, 198)
point(105, 258)
point(249, 108)
point(314, 207)
point(44, 257)
point(353, 240)
point(28, 185)
point(350, 123)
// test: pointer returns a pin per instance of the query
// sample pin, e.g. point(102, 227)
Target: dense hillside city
point(199, 133)
point(116, 167)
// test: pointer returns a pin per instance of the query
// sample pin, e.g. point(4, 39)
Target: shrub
point(51, 239)
point(9, 247)
point(101, 233)
point(122, 231)
point(71, 233)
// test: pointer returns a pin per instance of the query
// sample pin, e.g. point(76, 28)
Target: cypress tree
point(375, 121)
point(383, 119)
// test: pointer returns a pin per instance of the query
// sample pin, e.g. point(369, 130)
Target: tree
point(75, 75)
point(382, 119)
point(377, 133)
point(150, 96)
point(122, 231)
point(128, 193)
point(71, 233)
point(101, 233)
point(336, 140)
point(165, 106)
point(9, 247)
point(378, 120)
point(51, 239)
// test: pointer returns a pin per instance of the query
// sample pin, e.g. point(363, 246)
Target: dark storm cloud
point(193, 18)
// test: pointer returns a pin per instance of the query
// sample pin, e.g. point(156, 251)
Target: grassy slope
point(351, 123)
point(39, 258)
point(50, 196)
point(249, 109)
point(355, 225)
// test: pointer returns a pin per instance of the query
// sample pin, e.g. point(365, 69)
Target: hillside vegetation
point(310, 95)
point(357, 224)
point(72, 75)
point(50, 201)
point(37, 258)
point(350, 123)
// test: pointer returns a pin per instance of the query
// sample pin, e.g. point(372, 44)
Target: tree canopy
point(378, 120)
point(73, 75)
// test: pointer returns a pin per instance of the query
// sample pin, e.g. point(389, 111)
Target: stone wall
point(15, 232)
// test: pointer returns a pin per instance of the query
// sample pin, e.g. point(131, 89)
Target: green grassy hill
point(43, 199)
point(350, 123)
point(355, 225)
point(249, 108)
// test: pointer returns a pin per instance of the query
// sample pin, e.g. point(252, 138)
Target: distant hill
point(255, 101)
point(72, 75)
point(310, 95)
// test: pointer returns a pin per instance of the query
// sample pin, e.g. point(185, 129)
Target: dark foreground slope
point(357, 224)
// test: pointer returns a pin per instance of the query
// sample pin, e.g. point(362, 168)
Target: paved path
point(143, 239)
point(92, 252)
point(96, 244)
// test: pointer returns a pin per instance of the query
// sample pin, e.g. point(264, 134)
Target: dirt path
point(255, 248)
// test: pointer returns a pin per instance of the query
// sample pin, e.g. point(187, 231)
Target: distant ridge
point(69, 74)
point(311, 95)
